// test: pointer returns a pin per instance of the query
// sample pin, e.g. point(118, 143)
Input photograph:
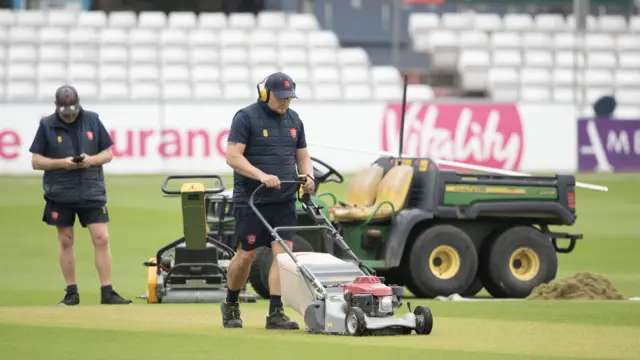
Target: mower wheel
point(424, 320)
point(355, 323)
point(259, 273)
point(474, 288)
point(515, 261)
point(442, 261)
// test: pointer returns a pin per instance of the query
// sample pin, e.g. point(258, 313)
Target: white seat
point(7, 18)
point(299, 74)
point(505, 39)
point(238, 91)
point(565, 77)
point(205, 73)
point(387, 92)
point(537, 40)
point(51, 53)
point(634, 24)
point(30, 17)
point(203, 38)
point(144, 72)
point(18, 90)
point(143, 54)
point(4, 34)
point(212, 21)
point(53, 35)
point(564, 41)
point(235, 74)
point(419, 92)
point(534, 76)
point(47, 89)
point(569, 59)
point(62, 18)
point(327, 92)
point(443, 39)
point(456, 21)
point(353, 56)
point(355, 74)
point(23, 35)
point(323, 56)
point(82, 71)
point(474, 59)
point(323, 39)
point(87, 89)
point(422, 22)
point(498, 76)
point(602, 59)
point(628, 96)
point(263, 38)
point(52, 71)
point(517, 22)
point(629, 60)
point(260, 72)
point(113, 36)
point(535, 93)
point(174, 55)
point(627, 112)
point(176, 91)
point(599, 77)
point(271, 20)
point(565, 95)
point(233, 37)
point(599, 42)
point(304, 91)
point(122, 19)
point(292, 40)
point(591, 22)
point(325, 74)
point(295, 56)
point(116, 54)
point(488, 22)
point(145, 91)
point(302, 22)
point(549, 22)
point(22, 53)
point(143, 37)
point(21, 71)
point(243, 21)
point(83, 36)
point(174, 37)
point(262, 55)
point(357, 92)
point(152, 19)
point(182, 20)
point(626, 42)
point(91, 19)
point(595, 93)
point(84, 53)
point(538, 58)
point(385, 74)
point(114, 90)
point(204, 55)
point(473, 39)
point(207, 91)
point(3, 55)
point(230, 56)
point(507, 58)
point(627, 78)
point(172, 73)
point(3, 92)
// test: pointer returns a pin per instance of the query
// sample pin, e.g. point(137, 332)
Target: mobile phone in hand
point(78, 159)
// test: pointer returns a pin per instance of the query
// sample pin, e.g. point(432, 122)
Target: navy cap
point(67, 100)
point(281, 85)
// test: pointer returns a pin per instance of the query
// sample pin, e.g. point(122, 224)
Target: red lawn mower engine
point(371, 295)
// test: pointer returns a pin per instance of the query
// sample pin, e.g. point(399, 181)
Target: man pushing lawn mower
point(266, 144)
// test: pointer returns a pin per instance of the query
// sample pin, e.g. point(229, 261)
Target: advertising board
point(608, 145)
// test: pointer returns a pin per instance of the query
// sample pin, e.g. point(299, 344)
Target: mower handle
point(216, 190)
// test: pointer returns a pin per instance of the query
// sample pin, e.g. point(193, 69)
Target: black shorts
point(64, 215)
point(251, 232)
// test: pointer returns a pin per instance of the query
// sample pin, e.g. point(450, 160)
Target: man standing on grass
point(266, 144)
point(71, 145)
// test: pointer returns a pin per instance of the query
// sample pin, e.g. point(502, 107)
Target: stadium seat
point(110, 73)
point(114, 90)
point(122, 19)
point(152, 20)
point(20, 71)
point(204, 55)
point(182, 20)
point(357, 92)
point(51, 53)
point(21, 90)
point(237, 91)
point(303, 22)
point(145, 91)
point(176, 91)
point(83, 71)
point(91, 19)
point(271, 20)
point(171, 73)
point(212, 21)
point(52, 71)
point(207, 91)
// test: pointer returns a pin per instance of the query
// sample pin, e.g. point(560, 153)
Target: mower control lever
point(216, 190)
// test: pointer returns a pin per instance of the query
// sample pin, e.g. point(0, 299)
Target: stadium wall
point(188, 137)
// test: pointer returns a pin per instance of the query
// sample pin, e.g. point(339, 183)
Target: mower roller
point(336, 296)
point(192, 269)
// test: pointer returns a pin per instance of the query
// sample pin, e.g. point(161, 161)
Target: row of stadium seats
point(157, 20)
point(549, 59)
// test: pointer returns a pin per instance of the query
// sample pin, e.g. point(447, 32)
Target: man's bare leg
point(274, 273)
point(102, 253)
point(66, 256)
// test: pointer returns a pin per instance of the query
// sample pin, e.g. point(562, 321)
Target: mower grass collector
point(336, 296)
point(193, 268)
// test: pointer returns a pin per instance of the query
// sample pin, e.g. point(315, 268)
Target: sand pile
point(581, 286)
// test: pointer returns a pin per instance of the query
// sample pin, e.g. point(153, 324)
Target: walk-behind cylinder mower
point(192, 269)
point(336, 296)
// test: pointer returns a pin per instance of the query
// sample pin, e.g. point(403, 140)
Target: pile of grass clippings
point(580, 286)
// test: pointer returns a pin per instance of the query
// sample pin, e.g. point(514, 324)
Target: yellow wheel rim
point(444, 262)
point(524, 264)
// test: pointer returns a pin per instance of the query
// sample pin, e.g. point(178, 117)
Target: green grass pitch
point(142, 220)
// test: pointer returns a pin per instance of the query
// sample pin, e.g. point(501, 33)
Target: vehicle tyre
point(443, 261)
point(424, 320)
point(516, 261)
point(474, 288)
point(354, 322)
point(259, 273)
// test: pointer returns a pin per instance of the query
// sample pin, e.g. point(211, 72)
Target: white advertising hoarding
point(191, 137)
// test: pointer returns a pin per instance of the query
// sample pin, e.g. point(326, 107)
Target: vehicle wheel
point(442, 261)
point(354, 322)
point(259, 273)
point(516, 261)
point(474, 288)
point(424, 320)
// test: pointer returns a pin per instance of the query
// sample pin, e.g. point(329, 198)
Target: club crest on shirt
point(293, 132)
point(90, 135)
point(251, 239)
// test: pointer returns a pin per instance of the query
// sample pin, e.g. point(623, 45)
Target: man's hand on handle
point(309, 186)
point(270, 181)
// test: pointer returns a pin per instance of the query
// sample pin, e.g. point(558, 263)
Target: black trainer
point(70, 298)
point(230, 315)
point(113, 298)
point(278, 320)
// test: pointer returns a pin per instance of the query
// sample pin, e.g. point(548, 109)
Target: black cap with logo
point(67, 101)
point(281, 85)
